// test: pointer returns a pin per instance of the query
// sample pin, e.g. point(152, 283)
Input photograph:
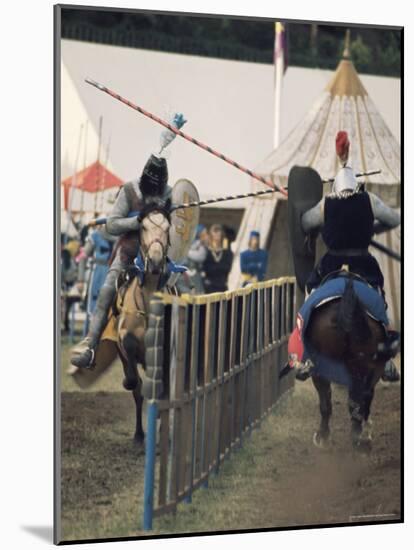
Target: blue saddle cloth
point(373, 303)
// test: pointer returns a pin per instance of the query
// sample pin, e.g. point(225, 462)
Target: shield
point(184, 221)
point(305, 190)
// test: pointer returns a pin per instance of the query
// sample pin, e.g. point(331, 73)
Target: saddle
point(122, 284)
point(346, 274)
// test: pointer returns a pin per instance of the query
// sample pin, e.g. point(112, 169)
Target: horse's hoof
point(321, 441)
point(139, 443)
point(130, 383)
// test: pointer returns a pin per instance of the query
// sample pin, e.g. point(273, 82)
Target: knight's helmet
point(154, 177)
point(345, 179)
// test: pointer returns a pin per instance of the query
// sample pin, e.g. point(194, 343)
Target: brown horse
point(343, 331)
point(132, 304)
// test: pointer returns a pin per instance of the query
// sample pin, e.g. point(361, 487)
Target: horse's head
point(154, 238)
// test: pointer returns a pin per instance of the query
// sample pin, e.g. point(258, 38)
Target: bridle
point(164, 247)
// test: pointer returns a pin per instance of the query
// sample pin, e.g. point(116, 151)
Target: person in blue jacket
point(253, 261)
point(98, 246)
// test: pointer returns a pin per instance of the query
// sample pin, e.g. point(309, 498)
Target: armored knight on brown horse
point(342, 333)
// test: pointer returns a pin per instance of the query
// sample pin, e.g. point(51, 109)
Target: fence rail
point(212, 374)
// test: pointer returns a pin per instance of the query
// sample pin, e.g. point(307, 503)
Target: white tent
point(344, 105)
point(228, 105)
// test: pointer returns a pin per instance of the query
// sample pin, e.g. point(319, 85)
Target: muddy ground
point(278, 479)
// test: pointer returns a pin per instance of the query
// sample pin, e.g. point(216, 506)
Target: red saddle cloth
point(295, 344)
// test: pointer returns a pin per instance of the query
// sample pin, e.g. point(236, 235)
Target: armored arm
point(118, 222)
point(313, 218)
point(383, 213)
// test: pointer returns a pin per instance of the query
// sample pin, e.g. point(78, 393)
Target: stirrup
point(83, 361)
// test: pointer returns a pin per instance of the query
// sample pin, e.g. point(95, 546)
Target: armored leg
point(99, 318)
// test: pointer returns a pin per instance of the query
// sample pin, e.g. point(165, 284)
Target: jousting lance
point(273, 187)
point(102, 221)
point(155, 118)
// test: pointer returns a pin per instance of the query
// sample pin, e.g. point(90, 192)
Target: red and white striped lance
point(155, 118)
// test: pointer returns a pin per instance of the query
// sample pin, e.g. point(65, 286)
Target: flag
point(280, 48)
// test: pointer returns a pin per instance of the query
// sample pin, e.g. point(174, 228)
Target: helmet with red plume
point(342, 146)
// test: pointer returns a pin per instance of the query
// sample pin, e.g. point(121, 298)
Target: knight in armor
point(347, 218)
point(134, 196)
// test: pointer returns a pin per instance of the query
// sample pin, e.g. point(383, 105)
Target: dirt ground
point(278, 479)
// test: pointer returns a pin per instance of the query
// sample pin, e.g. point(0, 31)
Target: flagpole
point(279, 66)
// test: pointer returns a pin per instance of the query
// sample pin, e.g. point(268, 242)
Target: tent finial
point(347, 49)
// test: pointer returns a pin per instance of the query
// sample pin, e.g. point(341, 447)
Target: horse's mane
point(163, 207)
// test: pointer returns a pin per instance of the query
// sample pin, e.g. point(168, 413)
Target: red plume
point(342, 146)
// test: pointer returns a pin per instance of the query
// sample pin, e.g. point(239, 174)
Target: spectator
point(253, 261)
point(98, 247)
point(218, 261)
point(191, 280)
point(68, 278)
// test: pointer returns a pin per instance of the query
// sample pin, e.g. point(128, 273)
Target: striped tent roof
point(95, 178)
point(344, 105)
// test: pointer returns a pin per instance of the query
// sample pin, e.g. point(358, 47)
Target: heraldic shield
point(305, 190)
point(184, 221)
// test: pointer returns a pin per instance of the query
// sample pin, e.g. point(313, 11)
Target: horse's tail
point(352, 318)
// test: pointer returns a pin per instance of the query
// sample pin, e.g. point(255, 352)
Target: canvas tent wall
point(344, 105)
point(228, 105)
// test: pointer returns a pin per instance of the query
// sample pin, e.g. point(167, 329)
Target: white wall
point(228, 104)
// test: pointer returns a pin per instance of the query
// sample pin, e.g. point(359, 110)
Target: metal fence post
point(150, 454)
point(152, 388)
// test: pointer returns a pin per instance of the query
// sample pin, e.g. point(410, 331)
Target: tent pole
point(98, 158)
point(73, 184)
point(108, 147)
point(84, 168)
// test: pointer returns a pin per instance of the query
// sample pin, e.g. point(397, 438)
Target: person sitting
point(218, 262)
point(253, 261)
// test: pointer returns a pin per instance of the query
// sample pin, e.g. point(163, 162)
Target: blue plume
point(167, 136)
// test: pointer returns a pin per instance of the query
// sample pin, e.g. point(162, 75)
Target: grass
point(277, 479)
